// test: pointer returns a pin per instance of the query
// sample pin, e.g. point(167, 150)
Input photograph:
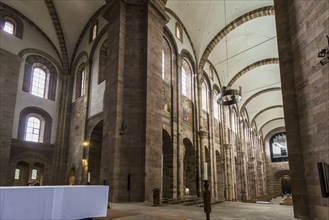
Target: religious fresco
point(216, 130)
point(187, 110)
point(166, 100)
point(204, 120)
point(278, 145)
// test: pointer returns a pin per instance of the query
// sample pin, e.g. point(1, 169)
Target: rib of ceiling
point(247, 54)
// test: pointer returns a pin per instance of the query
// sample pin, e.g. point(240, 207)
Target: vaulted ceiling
point(237, 37)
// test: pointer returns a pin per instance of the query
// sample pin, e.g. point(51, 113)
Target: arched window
point(9, 26)
point(179, 32)
point(34, 174)
point(39, 82)
point(216, 117)
point(278, 147)
point(211, 73)
point(204, 94)
point(34, 130)
point(186, 79)
point(34, 125)
point(40, 77)
point(167, 61)
point(93, 30)
point(80, 82)
point(17, 172)
point(216, 107)
point(186, 88)
point(102, 62)
point(233, 121)
point(163, 65)
point(11, 23)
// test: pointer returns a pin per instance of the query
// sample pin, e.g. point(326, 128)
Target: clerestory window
point(39, 83)
point(9, 27)
point(11, 23)
point(80, 82)
point(40, 77)
point(34, 129)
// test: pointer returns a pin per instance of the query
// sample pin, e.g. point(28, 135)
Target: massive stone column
point(301, 26)
point(132, 146)
point(227, 157)
point(203, 134)
point(9, 72)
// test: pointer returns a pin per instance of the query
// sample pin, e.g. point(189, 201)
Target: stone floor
point(226, 210)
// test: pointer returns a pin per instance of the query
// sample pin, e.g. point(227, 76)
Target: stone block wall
point(9, 72)
point(273, 180)
point(305, 86)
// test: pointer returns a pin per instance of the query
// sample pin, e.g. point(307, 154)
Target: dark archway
point(95, 153)
point(39, 167)
point(285, 184)
point(21, 174)
point(284, 178)
point(167, 166)
point(189, 168)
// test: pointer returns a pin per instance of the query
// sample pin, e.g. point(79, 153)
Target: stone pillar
point(203, 134)
point(179, 162)
point(60, 156)
point(9, 73)
point(132, 148)
point(301, 26)
point(227, 157)
point(228, 170)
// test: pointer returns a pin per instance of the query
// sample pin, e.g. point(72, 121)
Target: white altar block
point(53, 202)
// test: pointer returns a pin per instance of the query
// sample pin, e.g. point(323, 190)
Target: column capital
point(203, 133)
point(227, 146)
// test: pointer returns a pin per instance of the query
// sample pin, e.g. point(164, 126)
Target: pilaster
point(133, 157)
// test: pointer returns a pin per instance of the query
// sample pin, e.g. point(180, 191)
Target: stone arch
point(260, 12)
point(167, 165)
point(284, 178)
point(40, 168)
point(23, 177)
point(264, 110)
point(82, 57)
point(184, 28)
point(274, 119)
point(95, 154)
point(189, 167)
point(281, 173)
point(44, 54)
point(30, 62)
point(274, 89)
point(11, 16)
point(185, 54)
point(85, 29)
point(22, 123)
point(252, 66)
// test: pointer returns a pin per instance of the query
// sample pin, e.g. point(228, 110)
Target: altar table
point(53, 202)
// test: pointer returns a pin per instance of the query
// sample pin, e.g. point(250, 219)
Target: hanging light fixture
point(228, 96)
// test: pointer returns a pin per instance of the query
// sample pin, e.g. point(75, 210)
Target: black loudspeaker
point(323, 170)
